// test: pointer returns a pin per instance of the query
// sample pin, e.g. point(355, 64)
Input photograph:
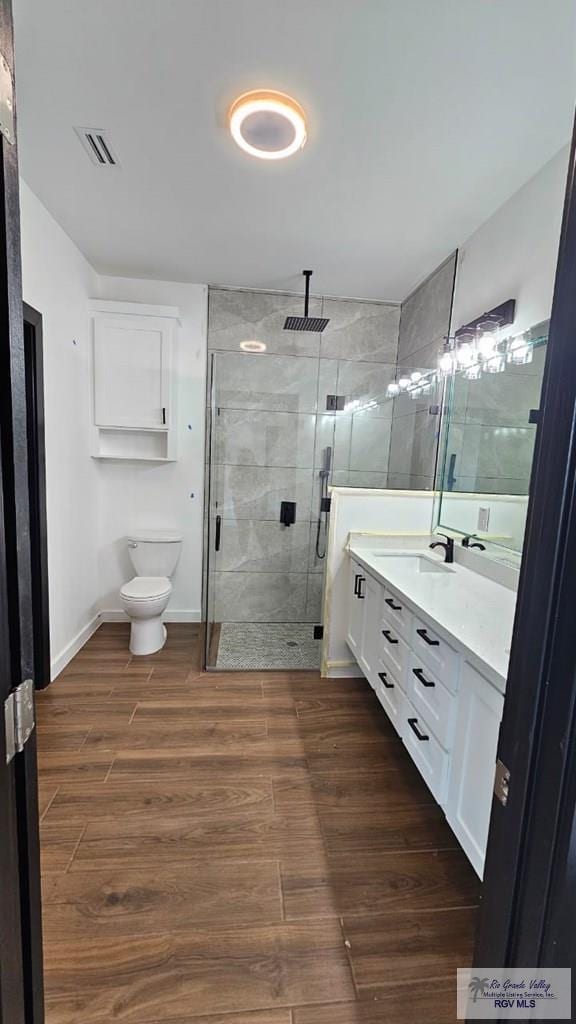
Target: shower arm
point(307, 275)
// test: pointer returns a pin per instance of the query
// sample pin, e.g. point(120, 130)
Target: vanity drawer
point(435, 653)
point(390, 695)
point(429, 757)
point(396, 614)
point(394, 651)
point(432, 700)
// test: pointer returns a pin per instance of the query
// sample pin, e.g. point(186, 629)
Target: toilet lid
point(146, 588)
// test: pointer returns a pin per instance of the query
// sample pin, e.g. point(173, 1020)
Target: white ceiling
point(424, 116)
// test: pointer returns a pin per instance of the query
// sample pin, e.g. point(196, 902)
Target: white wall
point(138, 496)
point(57, 281)
point(514, 253)
point(92, 505)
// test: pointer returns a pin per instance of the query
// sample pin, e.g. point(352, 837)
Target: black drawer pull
point(422, 678)
point(390, 602)
point(384, 679)
point(359, 593)
point(419, 735)
point(357, 579)
point(389, 637)
point(427, 639)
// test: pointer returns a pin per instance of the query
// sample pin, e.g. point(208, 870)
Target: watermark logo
point(517, 993)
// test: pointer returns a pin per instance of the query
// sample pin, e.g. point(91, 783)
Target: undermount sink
point(411, 562)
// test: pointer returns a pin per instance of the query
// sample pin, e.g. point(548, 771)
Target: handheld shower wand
point(322, 527)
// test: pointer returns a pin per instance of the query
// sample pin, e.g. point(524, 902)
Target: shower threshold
point(254, 646)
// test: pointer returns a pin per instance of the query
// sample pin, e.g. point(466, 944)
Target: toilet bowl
point(144, 598)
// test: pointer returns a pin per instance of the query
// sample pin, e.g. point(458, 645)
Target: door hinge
point(502, 783)
point(19, 718)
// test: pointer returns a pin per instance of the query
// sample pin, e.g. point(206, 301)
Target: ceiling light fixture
point(253, 346)
point(266, 124)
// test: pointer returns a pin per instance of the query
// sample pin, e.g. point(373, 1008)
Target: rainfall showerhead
point(306, 323)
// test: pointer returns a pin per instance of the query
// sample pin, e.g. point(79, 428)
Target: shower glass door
point(269, 466)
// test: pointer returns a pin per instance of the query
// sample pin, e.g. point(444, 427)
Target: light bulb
point(519, 353)
point(404, 382)
point(416, 376)
point(465, 354)
point(393, 389)
point(446, 363)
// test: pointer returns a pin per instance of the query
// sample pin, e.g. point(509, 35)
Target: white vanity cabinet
point(473, 763)
point(447, 714)
point(356, 601)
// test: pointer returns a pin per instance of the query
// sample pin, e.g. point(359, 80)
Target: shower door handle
point(218, 532)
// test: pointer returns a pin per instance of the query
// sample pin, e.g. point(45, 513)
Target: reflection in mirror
point(488, 442)
point(493, 363)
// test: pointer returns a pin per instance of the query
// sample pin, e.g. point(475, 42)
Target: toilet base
point(147, 635)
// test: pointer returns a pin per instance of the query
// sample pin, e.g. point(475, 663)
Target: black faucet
point(467, 542)
point(448, 545)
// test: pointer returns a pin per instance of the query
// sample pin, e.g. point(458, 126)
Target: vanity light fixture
point(253, 346)
point(267, 124)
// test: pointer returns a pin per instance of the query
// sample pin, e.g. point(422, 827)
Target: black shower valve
point(287, 513)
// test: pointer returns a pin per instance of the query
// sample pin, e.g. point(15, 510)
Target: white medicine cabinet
point(133, 385)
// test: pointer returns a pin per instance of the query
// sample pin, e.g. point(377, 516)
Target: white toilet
point(154, 555)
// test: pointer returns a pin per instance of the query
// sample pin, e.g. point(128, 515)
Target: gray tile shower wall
point(424, 323)
point(270, 431)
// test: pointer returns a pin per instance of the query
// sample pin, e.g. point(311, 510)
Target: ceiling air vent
point(97, 145)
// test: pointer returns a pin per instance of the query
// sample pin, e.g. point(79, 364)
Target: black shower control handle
point(287, 513)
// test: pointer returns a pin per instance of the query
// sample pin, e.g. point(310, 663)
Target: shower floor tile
point(267, 645)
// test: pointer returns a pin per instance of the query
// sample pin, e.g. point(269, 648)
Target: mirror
point(488, 443)
point(493, 365)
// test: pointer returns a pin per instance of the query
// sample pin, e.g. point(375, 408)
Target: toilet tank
point(154, 552)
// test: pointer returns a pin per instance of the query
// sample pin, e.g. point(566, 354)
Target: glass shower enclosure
point(287, 414)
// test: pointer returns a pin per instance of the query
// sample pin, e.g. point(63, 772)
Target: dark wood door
point(11, 952)
point(33, 363)
point(21, 994)
point(529, 905)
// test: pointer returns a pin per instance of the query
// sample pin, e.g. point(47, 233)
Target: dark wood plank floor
point(239, 849)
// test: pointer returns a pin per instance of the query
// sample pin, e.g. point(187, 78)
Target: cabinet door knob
point(428, 639)
point(390, 602)
point(422, 678)
point(389, 637)
point(384, 679)
point(412, 722)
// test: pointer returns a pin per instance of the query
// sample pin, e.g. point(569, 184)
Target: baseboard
point(59, 663)
point(187, 615)
point(342, 670)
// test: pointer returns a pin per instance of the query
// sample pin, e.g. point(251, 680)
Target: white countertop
point(473, 609)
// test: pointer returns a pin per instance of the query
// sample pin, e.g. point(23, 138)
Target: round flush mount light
point(253, 346)
point(269, 125)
